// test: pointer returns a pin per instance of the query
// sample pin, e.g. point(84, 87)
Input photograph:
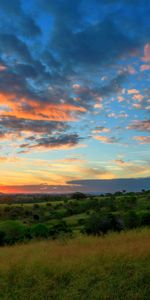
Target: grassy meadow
point(114, 267)
point(75, 247)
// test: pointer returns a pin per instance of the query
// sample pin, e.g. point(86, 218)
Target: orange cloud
point(99, 129)
point(98, 105)
point(105, 139)
point(133, 91)
point(137, 105)
point(120, 99)
point(138, 97)
point(35, 110)
point(142, 139)
point(3, 158)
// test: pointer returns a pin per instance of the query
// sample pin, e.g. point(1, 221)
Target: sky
point(74, 95)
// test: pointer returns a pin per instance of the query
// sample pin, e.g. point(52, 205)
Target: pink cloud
point(144, 67)
point(137, 105)
point(98, 105)
point(105, 139)
point(146, 57)
point(131, 70)
point(140, 125)
point(138, 97)
point(133, 91)
point(142, 139)
point(120, 99)
point(2, 68)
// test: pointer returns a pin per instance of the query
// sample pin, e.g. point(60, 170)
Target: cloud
point(3, 158)
point(23, 23)
point(145, 68)
point(111, 185)
point(105, 139)
point(18, 125)
point(99, 129)
point(118, 115)
point(35, 110)
point(77, 48)
point(146, 57)
point(68, 61)
point(142, 139)
point(120, 99)
point(64, 141)
point(131, 70)
point(138, 97)
point(86, 186)
point(137, 105)
point(121, 162)
point(133, 91)
point(140, 125)
point(13, 46)
point(96, 173)
point(2, 68)
point(73, 160)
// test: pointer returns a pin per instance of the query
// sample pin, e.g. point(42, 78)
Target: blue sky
point(74, 94)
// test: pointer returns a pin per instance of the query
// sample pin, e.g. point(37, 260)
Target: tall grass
point(116, 267)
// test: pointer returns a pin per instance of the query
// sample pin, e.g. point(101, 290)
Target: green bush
point(78, 196)
point(144, 218)
point(60, 228)
point(131, 220)
point(12, 232)
point(39, 231)
point(100, 223)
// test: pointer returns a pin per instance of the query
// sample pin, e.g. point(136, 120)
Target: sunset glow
point(74, 95)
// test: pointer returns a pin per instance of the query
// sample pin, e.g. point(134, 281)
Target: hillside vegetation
point(23, 219)
point(114, 267)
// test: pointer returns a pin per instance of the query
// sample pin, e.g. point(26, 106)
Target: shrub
point(100, 223)
point(60, 228)
point(12, 232)
point(36, 206)
point(39, 231)
point(78, 196)
point(144, 218)
point(131, 220)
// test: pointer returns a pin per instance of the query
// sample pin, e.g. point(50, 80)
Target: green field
point(114, 267)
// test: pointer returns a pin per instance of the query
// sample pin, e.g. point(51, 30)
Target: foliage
point(12, 232)
point(71, 214)
point(39, 231)
point(101, 223)
point(78, 196)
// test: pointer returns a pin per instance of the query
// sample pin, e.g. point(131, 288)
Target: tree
point(39, 231)
point(101, 223)
point(78, 196)
point(131, 220)
point(13, 231)
point(59, 229)
point(144, 218)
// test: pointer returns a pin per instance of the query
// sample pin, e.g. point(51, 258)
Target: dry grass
point(116, 267)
